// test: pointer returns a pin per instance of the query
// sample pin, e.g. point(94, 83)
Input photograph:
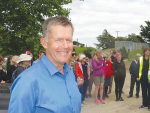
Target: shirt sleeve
point(95, 66)
point(137, 69)
point(22, 96)
point(130, 69)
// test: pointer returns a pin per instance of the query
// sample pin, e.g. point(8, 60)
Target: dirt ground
point(129, 105)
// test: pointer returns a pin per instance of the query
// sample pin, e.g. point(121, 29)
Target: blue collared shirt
point(43, 89)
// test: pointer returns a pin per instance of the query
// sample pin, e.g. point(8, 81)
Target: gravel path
point(129, 105)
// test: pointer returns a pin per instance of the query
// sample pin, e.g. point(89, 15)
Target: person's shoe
point(86, 96)
point(148, 108)
point(141, 107)
point(117, 99)
point(90, 95)
point(106, 96)
point(137, 96)
point(121, 99)
point(84, 103)
point(109, 92)
point(129, 96)
point(102, 101)
point(96, 102)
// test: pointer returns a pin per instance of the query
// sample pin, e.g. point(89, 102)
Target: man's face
point(147, 52)
point(59, 47)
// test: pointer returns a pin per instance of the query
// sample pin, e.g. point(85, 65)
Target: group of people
point(17, 64)
point(59, 82)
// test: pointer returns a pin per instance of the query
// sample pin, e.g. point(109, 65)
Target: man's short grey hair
point(137, 55)
point(58, 20)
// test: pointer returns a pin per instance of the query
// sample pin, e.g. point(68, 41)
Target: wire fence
point(132, 46)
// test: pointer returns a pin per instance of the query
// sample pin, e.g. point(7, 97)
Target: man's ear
point(43, 42)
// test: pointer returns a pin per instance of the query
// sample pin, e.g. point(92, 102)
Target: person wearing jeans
point(132, 71)
point(83, 71)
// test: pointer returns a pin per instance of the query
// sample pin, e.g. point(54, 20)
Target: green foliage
point(123, 52)
point(78, 44)
point(133, 37)
point(81, 50)
point(21, 21)
point(120, 39)
point(89, 50)
point(145, 31)
point(105, 40)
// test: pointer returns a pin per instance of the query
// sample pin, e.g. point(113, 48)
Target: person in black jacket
point(119, 75)
point(132, 71)
point(143, 68)
point(2, 71)
point(9, 68)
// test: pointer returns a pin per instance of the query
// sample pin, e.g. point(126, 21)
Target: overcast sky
point(91, 17)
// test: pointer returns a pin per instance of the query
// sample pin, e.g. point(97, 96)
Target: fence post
point(128, 54)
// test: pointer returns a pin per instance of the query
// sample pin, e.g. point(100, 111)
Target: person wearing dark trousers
point(142, 75)
point(119, 76)
point(132, 71)
point(83, 71)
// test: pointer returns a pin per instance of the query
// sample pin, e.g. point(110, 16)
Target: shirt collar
point(51, 67)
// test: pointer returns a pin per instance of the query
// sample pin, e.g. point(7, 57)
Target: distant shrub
point(123, 52)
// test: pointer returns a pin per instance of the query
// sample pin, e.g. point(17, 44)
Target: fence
point(132, 46)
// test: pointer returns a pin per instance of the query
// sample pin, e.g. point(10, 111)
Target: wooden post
point(128, 54)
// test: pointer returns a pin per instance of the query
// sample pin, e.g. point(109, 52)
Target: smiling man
point(49, 85)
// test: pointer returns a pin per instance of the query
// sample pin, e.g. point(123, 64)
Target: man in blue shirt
point(49, 85)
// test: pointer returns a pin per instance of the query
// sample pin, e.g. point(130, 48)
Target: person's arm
point(95, 66)
point(137, 70)
point(23, 96)
point(3, 75)
point(124, 69)
point(77, 70)
point(131, 67)
point(114, 68)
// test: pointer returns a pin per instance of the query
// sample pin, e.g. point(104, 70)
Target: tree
point(89, 50)
point(133, 37)
point(145, 31)
point(120, 39)
point(21, 22)
point(106, 40)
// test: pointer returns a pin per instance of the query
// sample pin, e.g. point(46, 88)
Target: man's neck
point(146, 57)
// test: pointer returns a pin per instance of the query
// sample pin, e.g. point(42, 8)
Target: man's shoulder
point(33, 71)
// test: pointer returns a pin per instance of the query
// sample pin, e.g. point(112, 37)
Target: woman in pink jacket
point(98, 75)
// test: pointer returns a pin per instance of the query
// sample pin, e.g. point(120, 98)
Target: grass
point(81, 50)
point(132, 57)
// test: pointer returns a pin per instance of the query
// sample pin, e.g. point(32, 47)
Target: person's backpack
point(14, 76)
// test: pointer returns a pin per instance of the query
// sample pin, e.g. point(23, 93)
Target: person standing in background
point(9, 74)
point(2, 71)
point(143, 74)
point(98, 75)
point(88, 57)
point(32, 60)
point(41, 52)
point(133, 71)
point(112, 60)
point(119, 75)
point(83, 71)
